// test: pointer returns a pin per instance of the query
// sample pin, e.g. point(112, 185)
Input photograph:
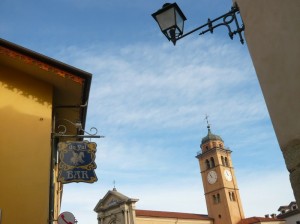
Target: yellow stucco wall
point(25, 147)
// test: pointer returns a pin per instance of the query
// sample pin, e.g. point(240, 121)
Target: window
point(231, 196)
point(220, 145)
point(216, 198)
point(297, 222)
point(212, 162)
point(226, 162)
point(223, 161)
point(207, 164)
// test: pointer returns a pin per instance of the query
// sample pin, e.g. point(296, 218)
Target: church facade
point(224, 205)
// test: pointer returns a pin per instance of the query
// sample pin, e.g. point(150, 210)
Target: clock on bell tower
point(220, 186)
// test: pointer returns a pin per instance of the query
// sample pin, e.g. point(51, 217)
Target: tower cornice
point(207, 152)
point(216, 190)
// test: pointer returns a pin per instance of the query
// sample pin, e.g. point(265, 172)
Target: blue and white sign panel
point(77, 162)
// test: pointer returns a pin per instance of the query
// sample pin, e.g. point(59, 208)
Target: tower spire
point(208, 125)
point(114, 189)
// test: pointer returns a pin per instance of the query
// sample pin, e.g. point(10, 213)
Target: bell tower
point(220, 186)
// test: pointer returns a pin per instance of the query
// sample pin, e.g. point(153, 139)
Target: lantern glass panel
point(166, 19)
point(179, 22)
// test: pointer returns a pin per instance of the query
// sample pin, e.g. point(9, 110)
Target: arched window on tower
point(223, 161)
point(207, 164)
point(231, 196)
point(226, 162)
point(215, 199)
point(212, 162)
point(218, 198)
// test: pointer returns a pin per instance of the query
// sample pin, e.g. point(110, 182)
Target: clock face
point(212, 177)
point(227, 175)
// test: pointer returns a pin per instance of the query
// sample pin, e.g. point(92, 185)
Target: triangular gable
point(112, 198)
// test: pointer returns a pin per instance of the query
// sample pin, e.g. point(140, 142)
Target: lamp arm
point(228, 18)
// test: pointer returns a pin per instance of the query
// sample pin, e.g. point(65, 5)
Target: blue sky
point(150, 99)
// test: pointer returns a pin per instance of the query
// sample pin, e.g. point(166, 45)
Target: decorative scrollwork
point(227, 18)
point(62, 130)
point(91, 129)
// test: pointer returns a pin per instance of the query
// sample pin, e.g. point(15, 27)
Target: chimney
point(267, 216)
point(273, 215)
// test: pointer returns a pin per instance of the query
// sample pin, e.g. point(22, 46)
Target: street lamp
point(171, 19)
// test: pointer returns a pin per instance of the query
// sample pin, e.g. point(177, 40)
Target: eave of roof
point(252, 220)
point(45, 59)
point(44, 63)
point(288, 214)
point(164, 214)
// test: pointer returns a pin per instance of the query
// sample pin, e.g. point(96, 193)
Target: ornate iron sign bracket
point(62, 130)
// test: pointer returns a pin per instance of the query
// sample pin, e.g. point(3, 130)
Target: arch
point(233, 196)
point(212, 162)
point(223, 161)
point(215, 199)
point(207, 164)
point(218, 198)
point(226, 162)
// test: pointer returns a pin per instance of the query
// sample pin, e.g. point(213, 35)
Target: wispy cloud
point(150, 101)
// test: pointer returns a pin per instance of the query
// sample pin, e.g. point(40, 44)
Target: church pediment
point(112, 199)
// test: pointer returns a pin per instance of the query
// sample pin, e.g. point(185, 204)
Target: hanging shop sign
point(77, 161)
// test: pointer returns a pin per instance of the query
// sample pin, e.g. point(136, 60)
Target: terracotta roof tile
point(254, 219)
point(163, 214)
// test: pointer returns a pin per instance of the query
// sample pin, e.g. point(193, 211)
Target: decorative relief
point(113, 201)
point(41, 65)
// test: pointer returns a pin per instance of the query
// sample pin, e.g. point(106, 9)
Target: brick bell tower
point(220, 185)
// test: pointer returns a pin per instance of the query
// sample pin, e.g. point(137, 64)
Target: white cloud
point(150, 101)
point(263, 192)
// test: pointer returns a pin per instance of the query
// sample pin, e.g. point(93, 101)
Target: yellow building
point(221, 192)
point(37, 95)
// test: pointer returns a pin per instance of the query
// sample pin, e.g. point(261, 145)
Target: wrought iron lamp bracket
point(227, 19)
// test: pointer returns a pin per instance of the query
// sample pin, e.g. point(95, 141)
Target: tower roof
point(210, 136)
